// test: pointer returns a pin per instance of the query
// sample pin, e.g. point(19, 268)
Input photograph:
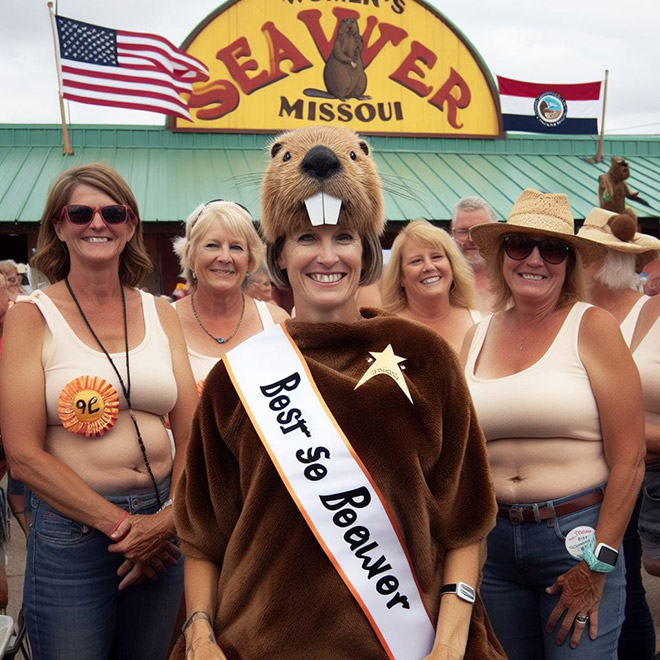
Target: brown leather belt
point(531, 513)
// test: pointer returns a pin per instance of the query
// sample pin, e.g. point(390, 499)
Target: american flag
point(134, 70)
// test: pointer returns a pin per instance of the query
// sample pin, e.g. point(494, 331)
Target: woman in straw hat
point(429, 280)
point(612, 285)
point(329, 520)
point(559, 400)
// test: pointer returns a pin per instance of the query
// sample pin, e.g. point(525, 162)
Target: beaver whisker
point(246, 179)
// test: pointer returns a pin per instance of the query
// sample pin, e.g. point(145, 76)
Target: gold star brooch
point(386, 363)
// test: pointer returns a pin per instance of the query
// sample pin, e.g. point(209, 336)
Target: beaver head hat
point(540, 214)
point(321, 175)
point(618, 232)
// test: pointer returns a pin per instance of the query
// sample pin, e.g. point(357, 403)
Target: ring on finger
point(581, 620)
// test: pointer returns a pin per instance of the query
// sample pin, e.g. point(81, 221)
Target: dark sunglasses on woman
point(520, 246)
point(80, 214)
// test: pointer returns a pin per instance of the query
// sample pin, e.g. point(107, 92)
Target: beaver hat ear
point(365, 147)
point(275, 149)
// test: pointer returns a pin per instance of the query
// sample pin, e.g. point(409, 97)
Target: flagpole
point(66, 149)
point(598, 158)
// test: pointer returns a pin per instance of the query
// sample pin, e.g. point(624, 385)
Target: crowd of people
point(468, 471)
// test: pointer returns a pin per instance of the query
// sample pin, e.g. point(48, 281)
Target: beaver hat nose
point(320, 162)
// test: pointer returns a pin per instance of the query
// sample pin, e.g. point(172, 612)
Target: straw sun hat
point(618, 232)
point(539, 214)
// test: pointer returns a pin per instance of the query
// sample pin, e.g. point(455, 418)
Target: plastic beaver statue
point(613, 189)
point(321, 174)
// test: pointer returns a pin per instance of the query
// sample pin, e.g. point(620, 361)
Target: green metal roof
point(170, 173)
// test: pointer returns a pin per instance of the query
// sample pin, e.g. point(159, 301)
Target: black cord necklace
point(126, 388)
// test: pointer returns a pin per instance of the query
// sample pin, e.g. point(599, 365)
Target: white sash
point(333, 490)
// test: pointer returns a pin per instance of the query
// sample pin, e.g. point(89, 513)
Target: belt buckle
point(516, 515)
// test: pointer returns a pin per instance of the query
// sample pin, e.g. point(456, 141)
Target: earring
point(194, 276)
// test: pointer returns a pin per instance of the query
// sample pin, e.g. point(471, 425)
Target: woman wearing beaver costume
point(559, 399)
point(428, 280)
point(322, 509)
point(612, 285)
point(220, 248)
point(90, 367)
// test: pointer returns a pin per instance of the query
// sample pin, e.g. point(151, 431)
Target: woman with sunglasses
point(559, 399)
point(428, 280)
point(91, 365)
point(220, 248)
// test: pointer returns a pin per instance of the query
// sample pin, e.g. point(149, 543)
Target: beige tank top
point(65, 357)
point(550, 399)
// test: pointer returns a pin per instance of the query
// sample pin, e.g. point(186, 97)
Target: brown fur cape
point(278, 595)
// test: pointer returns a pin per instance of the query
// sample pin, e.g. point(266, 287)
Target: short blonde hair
point(8, 268)
point(573, 289)
point(232, 218)
point(462, 293)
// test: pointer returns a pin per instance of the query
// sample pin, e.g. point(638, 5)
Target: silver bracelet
point(199, 614)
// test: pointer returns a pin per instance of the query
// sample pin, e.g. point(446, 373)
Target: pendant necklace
point(125, 388)
point(220, 340)
point(523, 338)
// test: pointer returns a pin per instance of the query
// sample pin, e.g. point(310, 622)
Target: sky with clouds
point(564, 41)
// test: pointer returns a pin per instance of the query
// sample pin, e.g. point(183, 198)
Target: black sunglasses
point(80, 214)
point(519, 247)
point(245, 208)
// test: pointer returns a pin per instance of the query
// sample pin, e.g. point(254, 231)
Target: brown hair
point(573, 289)
point(372, 261)
point(52, 257)
point(462, 294)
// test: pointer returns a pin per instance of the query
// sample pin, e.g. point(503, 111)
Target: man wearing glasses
point(468, 212)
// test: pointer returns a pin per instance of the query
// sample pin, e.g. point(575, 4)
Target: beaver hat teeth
point(323, 209)
point(321, 175)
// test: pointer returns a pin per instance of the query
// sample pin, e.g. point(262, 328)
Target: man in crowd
point(468, 212)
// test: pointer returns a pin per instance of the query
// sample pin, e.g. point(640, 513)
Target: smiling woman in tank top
point(91, 365)
point(559, 399)
point(219, 249)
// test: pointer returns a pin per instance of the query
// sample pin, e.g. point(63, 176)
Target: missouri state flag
point(542, 108)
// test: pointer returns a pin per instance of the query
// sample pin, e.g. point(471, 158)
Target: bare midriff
point(113, 464)
point(539, 469)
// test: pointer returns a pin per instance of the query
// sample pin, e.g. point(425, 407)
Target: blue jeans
point(73, 609)
point(525, 559)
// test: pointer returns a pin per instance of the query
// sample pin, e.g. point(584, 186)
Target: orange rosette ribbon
point(88, 406)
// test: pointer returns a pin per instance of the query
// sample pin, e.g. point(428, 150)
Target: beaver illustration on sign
point(332, 162)
point(343, 73)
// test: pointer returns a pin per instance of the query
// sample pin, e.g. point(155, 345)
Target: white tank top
point(65, 356)
point(630, 322)
point(201, 364)
point(647, 358)
point(550, 399)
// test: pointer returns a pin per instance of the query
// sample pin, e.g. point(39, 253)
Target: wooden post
point(598, 158)
point(67, 150)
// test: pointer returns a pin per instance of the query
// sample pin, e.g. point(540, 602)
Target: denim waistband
point(141, 501)
point(549, 503)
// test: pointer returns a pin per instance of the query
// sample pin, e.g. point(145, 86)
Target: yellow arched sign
point(378, 66)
